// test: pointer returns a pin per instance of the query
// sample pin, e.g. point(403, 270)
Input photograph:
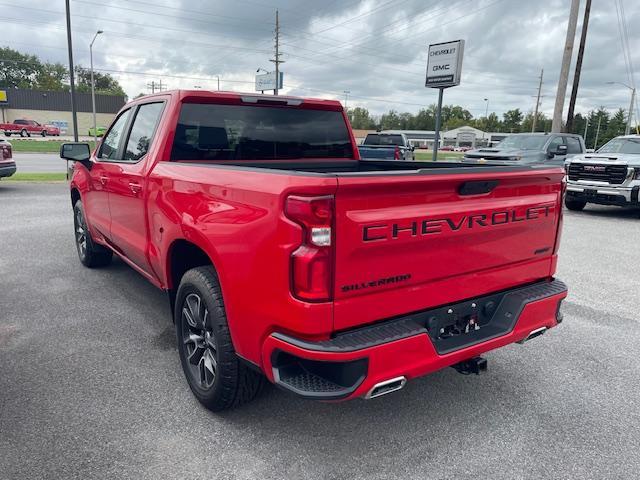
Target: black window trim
point(127, 125)
point(130, 128)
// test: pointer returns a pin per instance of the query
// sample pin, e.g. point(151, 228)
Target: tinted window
point(573, 145)
point(383, 140)
point(239, 132)
point(20, 122)
point(524, 142)
point(109, 147)
point(142, 131)
point(554, 143)
point(622, 145)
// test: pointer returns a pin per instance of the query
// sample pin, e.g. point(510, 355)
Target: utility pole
point(576, 75)
point(595, 143)
point(277, 55)
point(627, 130)
point(586, 127)
point(556, 126)
point(74, 113)
point(535, 113)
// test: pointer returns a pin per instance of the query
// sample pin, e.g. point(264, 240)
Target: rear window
point(20, 122)
point(383, 140)
point(239, 132)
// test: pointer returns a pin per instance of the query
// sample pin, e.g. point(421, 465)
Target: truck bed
point(365, 166)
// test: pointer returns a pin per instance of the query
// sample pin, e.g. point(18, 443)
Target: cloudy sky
point(375, 49)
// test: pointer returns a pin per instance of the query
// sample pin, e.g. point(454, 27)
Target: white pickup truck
point(610, 176)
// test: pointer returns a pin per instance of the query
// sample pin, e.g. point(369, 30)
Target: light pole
point(486, 119)
point(627, 130)
point(218, 77)
point(93, 88)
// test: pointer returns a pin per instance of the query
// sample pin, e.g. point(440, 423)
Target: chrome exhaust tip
point(533, 334)
point(388, 386)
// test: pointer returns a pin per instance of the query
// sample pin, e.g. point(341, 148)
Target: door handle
point(104, 180)
point(135, 187)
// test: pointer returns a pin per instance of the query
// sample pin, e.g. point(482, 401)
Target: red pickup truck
point(285, 256)
point(25, 128)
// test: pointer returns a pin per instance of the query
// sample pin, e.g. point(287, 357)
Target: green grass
point(36, 177)
point(33, 146)
point(427, 155)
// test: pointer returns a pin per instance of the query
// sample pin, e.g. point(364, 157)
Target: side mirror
point(76, 152)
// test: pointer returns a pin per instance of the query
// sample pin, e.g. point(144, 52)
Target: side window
point(142, 131)
point(573, 145)
point(553, 144)
point(109, 147)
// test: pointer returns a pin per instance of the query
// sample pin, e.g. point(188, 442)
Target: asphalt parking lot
point(91, 385)
point(39, 163)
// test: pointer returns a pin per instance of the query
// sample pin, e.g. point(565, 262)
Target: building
point(458, 137)
point(54, 108)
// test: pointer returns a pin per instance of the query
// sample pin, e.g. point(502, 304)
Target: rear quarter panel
point(236, 216)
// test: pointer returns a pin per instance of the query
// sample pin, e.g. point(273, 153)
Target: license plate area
point(590, 192)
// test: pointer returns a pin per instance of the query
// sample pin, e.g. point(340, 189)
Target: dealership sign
point(444, 64)
point(267, 81)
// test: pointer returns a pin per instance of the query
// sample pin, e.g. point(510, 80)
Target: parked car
point(99, 131)
point(446, 148)
point(386, 146)
point(7, 164)
point(530, 148)
point(610, 176)
point(285, 256)
point(51, 130)
point(24, 128)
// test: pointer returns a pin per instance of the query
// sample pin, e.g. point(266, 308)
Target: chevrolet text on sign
point(444, 64)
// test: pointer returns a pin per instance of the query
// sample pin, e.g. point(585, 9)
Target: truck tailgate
point(408, 242)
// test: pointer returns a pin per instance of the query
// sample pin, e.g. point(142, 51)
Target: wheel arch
point(75, 196)
point(183, 255)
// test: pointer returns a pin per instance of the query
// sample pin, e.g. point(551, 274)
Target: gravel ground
point(91, 386)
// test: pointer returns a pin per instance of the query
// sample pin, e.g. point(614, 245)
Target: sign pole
point(436, 138)
point(444, 67)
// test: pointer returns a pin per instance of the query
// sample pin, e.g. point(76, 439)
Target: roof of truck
point(252, 97)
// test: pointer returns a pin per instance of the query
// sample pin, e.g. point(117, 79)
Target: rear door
point(406, 243)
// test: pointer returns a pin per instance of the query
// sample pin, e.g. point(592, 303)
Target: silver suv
point(610, 176)
point(530, 148)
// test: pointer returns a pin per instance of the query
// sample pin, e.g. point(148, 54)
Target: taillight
point(563, 192)
point(312, 261)
point(6, 151)
point(396, 153)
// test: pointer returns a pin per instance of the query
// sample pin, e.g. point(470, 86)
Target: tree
point(104, 83)
point(18, 70)
point(512, 120)
point(390, 120)
point(543, 124)
point(616, 127)
point(361, 119)
point(52, 76)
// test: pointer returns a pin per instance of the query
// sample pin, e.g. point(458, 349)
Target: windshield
point(523, 142)
point(622, 145)
point(240, 132)
point(383, 140)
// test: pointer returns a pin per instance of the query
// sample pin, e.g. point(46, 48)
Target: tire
point(575, 205)
point(7, 134)
point(24, 133)
point(215, 374)
point(90, 254)
point(44, 133)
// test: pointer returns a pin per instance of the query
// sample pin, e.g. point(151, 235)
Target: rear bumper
point(604, 195)
point(7, 169)
point(350, 364)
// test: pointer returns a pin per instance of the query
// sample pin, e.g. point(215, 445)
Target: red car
point(446, 148)
point(288, 258)
point(26, 128)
